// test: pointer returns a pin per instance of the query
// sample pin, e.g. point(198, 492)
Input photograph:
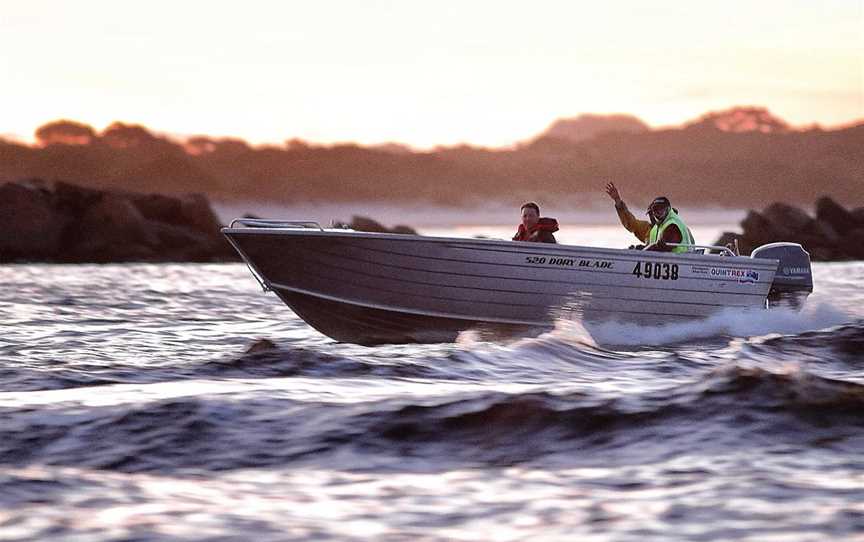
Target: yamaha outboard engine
point(793, 280)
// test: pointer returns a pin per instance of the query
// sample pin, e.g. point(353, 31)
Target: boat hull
point(350, 323)
point(378, 288)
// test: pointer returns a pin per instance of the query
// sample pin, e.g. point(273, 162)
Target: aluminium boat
point(376, 288)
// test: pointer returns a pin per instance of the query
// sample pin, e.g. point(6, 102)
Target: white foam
point(728, 323)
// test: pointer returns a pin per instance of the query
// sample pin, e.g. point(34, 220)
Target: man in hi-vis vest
point(665, 225)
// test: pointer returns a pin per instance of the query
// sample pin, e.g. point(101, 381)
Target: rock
point(363, 223)
point(74, 200)
point(786, 217)
point(821, 254)
point(174, 238)
point(834, 235)
point(158, 208)
point(758, 230)
point(729, 238)
point(196, 213)
point(31, 227)
point(185, 242)
point(191, 211)
point(831, 212)
point(825, 232)
point(61, 222)
point(852, 244)
point(816, 235)
point(113, 230)
point(118, 215)
point(403, 229)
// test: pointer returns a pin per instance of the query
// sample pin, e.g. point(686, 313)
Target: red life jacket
point(540, 233)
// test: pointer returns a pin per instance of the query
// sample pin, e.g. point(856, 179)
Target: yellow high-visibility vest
point(672, 218)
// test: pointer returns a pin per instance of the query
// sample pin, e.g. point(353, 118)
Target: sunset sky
point(422, 73)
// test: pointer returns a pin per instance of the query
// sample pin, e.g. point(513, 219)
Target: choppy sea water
point(179, 402)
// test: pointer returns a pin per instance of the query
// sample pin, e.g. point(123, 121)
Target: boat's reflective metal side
point(375, 288)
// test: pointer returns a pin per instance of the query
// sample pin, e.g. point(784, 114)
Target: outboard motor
point(793, 281)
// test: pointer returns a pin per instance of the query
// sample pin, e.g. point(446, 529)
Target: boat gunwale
point(537, 248)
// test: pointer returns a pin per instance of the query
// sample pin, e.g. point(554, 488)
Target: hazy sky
point(422, 73)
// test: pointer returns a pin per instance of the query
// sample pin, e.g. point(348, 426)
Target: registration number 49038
point(659, 271)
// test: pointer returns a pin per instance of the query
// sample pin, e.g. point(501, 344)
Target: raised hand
point(613, 193)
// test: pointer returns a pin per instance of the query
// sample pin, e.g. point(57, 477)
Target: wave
point(568, 351)
point(845, 341)
point(727, 406)
point(740, 389)
point(263, 358)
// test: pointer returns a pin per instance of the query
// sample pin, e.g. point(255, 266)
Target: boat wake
point(726, 324)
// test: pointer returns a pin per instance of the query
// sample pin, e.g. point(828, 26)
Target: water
point(178, 402)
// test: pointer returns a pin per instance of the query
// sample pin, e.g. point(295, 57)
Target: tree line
point(742, 157)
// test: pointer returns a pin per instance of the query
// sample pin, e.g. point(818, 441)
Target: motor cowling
point(793, 281)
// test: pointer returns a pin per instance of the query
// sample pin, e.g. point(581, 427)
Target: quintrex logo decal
point(743, 275)
point(752, 276)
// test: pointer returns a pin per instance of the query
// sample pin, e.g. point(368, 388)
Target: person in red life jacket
point(535, 228)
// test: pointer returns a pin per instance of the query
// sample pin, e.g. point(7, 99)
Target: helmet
point(658, 210)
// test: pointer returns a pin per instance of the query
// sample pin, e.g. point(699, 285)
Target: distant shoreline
point(739, 158)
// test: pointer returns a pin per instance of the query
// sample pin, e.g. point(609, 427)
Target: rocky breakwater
point(366, 224)
point(834, 234)
point(63, 223)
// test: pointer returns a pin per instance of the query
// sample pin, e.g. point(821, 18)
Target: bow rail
point(269, 223)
